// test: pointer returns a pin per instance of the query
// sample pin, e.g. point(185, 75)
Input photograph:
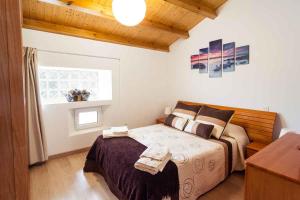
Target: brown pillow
point(186, 111)
point(175, 122)
point(199, 129)
point(216, 117)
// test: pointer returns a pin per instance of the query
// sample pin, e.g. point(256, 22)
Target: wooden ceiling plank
point(82, 33)
point(170, 29)
point(194, 7)
point(105, 12)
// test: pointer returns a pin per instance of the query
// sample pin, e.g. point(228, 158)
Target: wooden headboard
point(259, 125)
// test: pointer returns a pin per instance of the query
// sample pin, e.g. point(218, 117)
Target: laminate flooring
point(64, 179)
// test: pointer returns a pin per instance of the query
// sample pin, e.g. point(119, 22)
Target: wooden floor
point(63, 179)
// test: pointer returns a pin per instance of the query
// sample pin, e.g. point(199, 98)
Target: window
point(87, 118)
point(55, 82)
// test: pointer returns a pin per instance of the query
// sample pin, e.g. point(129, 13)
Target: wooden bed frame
point(259, 125)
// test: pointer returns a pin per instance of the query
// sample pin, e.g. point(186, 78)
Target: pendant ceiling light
point(129, 12)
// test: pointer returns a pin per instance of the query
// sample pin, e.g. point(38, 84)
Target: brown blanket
point(114, 158)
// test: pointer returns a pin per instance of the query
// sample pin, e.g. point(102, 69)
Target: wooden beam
point(156, 25)
point(194, 7)
point(82, 33)
point(93, 8)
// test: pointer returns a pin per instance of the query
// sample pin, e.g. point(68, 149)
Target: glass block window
point(55, 82)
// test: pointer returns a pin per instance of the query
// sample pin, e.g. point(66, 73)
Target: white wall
point(139, 101)
point(272, 30)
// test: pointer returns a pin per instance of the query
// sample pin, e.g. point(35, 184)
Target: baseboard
point(68, 153)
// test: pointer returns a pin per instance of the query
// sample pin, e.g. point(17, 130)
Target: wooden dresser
point(274, 172)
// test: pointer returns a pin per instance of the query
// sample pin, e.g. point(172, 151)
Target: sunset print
point(195, 61)
point(203, 60)
point(242, 55)
point(229, 57)
point(218, 58)
point(215, 58)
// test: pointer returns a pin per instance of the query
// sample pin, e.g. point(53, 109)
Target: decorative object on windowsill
point(77, 95)
point(215, 60)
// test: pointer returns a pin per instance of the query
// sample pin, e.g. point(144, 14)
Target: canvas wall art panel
point(203, 60)
point(242, 55)
point(195, 61)
point(215, 59)
point(229, 57)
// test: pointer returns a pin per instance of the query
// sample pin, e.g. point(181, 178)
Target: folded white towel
point(141, 165)
point(156, 152)
point(152, 166)
point(145, 169)
point(165, 161)
point(119, 129)
point(109, 134)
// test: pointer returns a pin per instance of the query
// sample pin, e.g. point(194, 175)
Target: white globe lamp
point(129, 12)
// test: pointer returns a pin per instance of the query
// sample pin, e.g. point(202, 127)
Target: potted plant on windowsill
point(77, 95)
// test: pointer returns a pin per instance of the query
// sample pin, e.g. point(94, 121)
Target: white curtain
point(35, 128)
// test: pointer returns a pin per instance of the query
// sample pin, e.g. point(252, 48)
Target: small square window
point(86, 118)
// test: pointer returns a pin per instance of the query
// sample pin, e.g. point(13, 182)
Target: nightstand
point(160, 120)
point(254, 147)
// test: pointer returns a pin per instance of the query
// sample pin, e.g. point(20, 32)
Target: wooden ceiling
point(166, 20)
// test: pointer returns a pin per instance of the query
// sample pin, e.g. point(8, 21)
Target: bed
point(200, 164)
point(197, 164)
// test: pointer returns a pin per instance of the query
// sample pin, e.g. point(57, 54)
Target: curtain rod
point(77, 54)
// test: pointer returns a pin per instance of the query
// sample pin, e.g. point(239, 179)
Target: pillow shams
point(176, 122)
point(216, 117)
point(186, 111)
point(199, 129)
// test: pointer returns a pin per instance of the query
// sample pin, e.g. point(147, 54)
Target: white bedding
point(200, 162)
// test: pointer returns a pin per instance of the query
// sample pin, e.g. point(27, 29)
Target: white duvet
point(201, 163)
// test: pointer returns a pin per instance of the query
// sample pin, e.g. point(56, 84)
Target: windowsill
point(80, 104)
point(97, 130)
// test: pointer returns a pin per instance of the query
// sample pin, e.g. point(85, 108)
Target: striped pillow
point(176, 122)
point(199, 129)
point(186, 111)
point(216, 117)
